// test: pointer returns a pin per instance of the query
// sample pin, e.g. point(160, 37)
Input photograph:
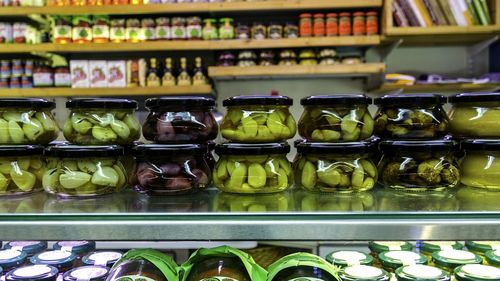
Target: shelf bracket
point(384, 51)
point(473, 67)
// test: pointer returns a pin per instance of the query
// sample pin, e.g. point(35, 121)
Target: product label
point(133, 33)
point(82, 33)
point(406, 257)
point(100, 31)
point(457, 254)
point(62, 31)
point(219, 278)
point(62, 79)
point(423, 271)
point(54, 255)
point(102, 258)
point(43, 79)
point(34, 270)
point(9, 254)
point(98, 76)
point(116, 74)
point(117, 33)
point(88, 273)
point(363, 271)
point(482, 271)
point(178, 32)
point(20, 30)
point(149, 33)
point(194, 31)
point(306, 279)
point(5, 32)
point(162, 32)
point(134, 278)
point(19, 245)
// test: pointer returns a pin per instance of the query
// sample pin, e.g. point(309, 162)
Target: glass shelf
point(463, 213)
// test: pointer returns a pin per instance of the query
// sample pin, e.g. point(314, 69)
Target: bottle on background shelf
point(183, 79)
point(152, 78)
point(199, 77)
point(168, 78)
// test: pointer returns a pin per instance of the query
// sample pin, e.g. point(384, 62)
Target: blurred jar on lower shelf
point(197, 202)
point(478, 199)
point(353, 202)
point(394, 200)
point(277, 202)
point(113, 203)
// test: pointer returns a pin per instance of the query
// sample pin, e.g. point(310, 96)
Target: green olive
point(4, 131)
point(74, 179)
point(105, 176)
point(24, 180)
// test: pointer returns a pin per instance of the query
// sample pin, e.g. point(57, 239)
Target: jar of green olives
point(349, 258)
point(419, 272)
point(84, 170)
point(475, 115)
point(258, 119)
point(450, 259)
point(27, 121)
point(101, 121)
point(392, 260)
point(301, 266)
point(419, 165)
point(336, 118)
point(427, 248)
point(411, 116)
point(480, 163)
point(363, 273)
point(335, 167)
point(477, 272)
point(252, 168)
point(21, 169)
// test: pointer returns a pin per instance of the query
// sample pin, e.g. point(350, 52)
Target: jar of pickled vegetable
point(256, 203)
point(481, 247)
point(419, 165)
point(363, 273)
point(33, 273)
point(493, 258)
point(427, 248)
point(79, 248)
point(170, 169)
point(258, 119)
point(162, 28)
point(148, 29)
point(178, 29)
point(475, 115)
point(330, 167)
point(349, 258)
point(88, 273)
point(100, 29)
point(252, 168)
point(377, 247)
point(180, 120)
point(102, 258)
point(480, 165)
point(27, 121)
point(301, 266)
point(84, 170)
point(194, 29)
point(82, 29)
point(144, 264)
point(21, 169)
point(392, 260)
point(117, 31)
point(450, 259)
point(62, 30)
point(226, 28)
point(334, 202)
point(133, 30)
point(336, 118)
point(477, 272)
point(419, 272)
point(11, 259)
point(30, 248)
point(59, 259)
point(411, 116)
point(101, 121)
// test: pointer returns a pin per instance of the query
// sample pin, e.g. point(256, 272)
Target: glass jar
point(117, 31)
point(33, 273)
point(210, 31)
point(371, 23)
point(82, 171)
point(28, 68)
point(481, 247)
point(427, 248)
point(62, 260)
point(226, 28)
point(62, 76)
point(319, 25)
point(102, 258)
point(291, 30)
point(419, 165)
point(79, 248)
point(133, 30)
point(345, 26)
point(21, 169)
point(242, 31)
point(493, 257)
point(411, 116)
point(418, 272)
point(475, 115)
point(301, 266)
point(450, 259)
point(336, 202)
point(101, 121)
point(336, 118)
point(358, 24)
point(30, 248)
point(393, 200)
point(82, 29)
point(62, 30)
point(148, 29)
point(11, 259)
point(256, 203)
point(332, 24)
point(100, 29)
point(194, 29)
point(477, 272)
point(258, 119)
point(178, 28)
point(144, 264)
point(480, 163)
point(170, 169)
point(329, 167)
point(392, 260)
point(363, 273)
point(306, 25)
point(377, 247)
point(180, 120)
point(252, 168)
point(89, 273)
point(162, 29)
point(223, 268)
point(349, 258)
point(275, 31)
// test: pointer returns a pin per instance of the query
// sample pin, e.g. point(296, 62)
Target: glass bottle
point(152, 79)
point(168, 78)
point(198, 76)
point(183, 79)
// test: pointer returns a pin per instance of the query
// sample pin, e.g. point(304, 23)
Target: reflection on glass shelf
point(380, 200)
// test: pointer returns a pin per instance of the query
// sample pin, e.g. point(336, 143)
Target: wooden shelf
point(355, 70)
point(275, 5)
point(438, 88)
point(103, 92)
point(192, 45)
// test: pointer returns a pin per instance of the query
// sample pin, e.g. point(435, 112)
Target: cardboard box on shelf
point(79, 73)
point(116, 70)
point(98, 74)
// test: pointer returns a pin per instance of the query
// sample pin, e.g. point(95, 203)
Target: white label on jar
point(43, 79)
point(443, 245)
point(134, 278)
point(162, 32)
point(219, 278)
point(406, 257)
point(82, 33)
point(6, 32)
point(62, 79)
point(19, 245)
point(422, 271)
point(482, 271)
point(351, 257)
point(20, 30)
point(62, 31)
point(149, 33)
point(117, 33)
point(100, 31)
point(33, 270)
point(456, 254)
point(134, 33)
point(87, 273)
point(302, 279)
point(9, 254)
point(363, 271)
point(54, 255)
point(392, 245)
point(102, 258)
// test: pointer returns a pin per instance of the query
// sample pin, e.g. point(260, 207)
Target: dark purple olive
point(178, 183)
point(171, 169)
point(200, 176)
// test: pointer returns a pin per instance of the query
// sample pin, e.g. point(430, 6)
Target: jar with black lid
point(33, 273)
point(419, 165)
point(11, 259)
point(411, 116)
point(79, 248)
point(252, 168)
point(171, 169)
point(101, 121)
point(180, 120)
point(21, 169)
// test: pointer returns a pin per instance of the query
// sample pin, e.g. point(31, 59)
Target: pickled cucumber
point(27, 128)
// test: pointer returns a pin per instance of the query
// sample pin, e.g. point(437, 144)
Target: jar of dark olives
point(180, 120)
point(419, 165)
point(170, 169)
point(411, 116)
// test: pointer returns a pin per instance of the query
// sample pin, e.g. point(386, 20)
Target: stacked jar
point(178, 162)
point(254, 160)
point(416, 154)
point(335, 155)
point(93, 163)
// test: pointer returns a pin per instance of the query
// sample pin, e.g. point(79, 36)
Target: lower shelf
point(103, 92)
point(450, 88)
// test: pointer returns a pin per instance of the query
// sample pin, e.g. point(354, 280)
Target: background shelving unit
point(437, 88)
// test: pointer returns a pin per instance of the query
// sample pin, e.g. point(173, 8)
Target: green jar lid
point(11, 258)
point(434, 246)
point(493, 257)
point(363, 273)
point(346, 258)
point(395, 259)
point(384, 246)
point(482, 246)
point(477, 272)
point(301, 260)
point(420, 272)
point(454, 258)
